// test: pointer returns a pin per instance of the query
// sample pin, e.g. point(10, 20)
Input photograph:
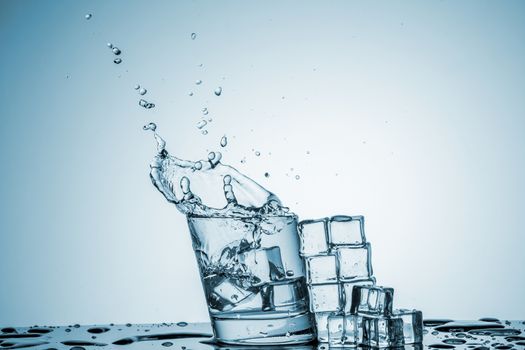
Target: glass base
point(263, 329)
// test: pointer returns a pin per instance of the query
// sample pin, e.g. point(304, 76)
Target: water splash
point(146, 104)
point(209, 188)
point(150, 126)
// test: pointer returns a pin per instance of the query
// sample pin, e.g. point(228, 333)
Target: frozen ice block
point(321, 324)
point(336, 334)
point(403, 327)
point(347, 288)
point(313, 235)
point(264, 264)
point(347, 230)
point(325, 297)
point(354, 262)
point(321, 269)
point(345, 330)
point(227, 294)
point(288, 293)
point(372, 300)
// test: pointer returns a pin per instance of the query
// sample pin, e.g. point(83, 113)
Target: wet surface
point(485, 334)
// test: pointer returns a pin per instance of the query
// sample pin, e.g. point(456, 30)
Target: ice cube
point(227, 294)
point(314, 238)
point(325, 297)
point(347, 290)
point(336, 330)
point(353, 330)
point(290, 293)
point(354, 262)
point(403, 327)
point(347, 230)
point(321, 269)
point(372, 300)
point(265, 264)
point(321, 323)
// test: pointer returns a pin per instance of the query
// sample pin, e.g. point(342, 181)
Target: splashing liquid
point(209, 188)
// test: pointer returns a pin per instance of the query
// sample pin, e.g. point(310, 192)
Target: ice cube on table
point(321, 269)
point(376, 300)
point(325, 297)
point(321, 324)
point(403, 327)
point(346, 230)
point(265, 264)
point(336, 330)
point(313, 236)
point(290, 293)
point(354, 262)
point(347, 288)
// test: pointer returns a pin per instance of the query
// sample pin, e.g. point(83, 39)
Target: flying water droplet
point(297, 177)
point(190, 93)
point(143, 91)
point(117, 61)
point(198, 82)
point(205, 111)
point(204, 132)
point(201, 124)
point(218, 91)
point(146, 104)
point(257, 153)
point(110, 45)
point(224, 141)
point(137, 87)
point(88, 16)
point(267, 175)
point(116, 51)
point(193, 36)
point(150, 126)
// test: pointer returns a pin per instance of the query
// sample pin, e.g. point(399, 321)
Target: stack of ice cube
point(349, 308)
point(373, 322)
point(337, 258)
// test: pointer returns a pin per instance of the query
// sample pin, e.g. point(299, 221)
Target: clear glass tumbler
point(253, 278)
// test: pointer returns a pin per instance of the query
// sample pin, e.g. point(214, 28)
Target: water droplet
point(257, 153)
point(128, 324)
point(110, 45)
point(137, 87)
point(218, 91)
point(117, 61)
point(116, 51)
point(146, 104)
point(201, 124)
point(150, 126)
point(197, 166)
point(307, 152)
point(143, 91)
point(297, 177)
point(204, 132)
point(224, 141)
point(266, 174)
point(227, 179)
point(198, 82)
point(167, 344)
point(193, 36)
point(190, 93)
point(88, 16)
point(76, 325)
point(205, 111)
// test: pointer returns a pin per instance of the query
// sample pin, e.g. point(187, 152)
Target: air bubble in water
point(88, 16)
point(205, 111)
point(146, 104)
point(201, 124)
point(116, 51)
point(143, 91)
point(117, 61)
point(198, 82)
point(193, 36)
point(150, 126)
point(224, 141)
point(218, 91)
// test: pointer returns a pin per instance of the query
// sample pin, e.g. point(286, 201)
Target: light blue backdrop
point(413, 114)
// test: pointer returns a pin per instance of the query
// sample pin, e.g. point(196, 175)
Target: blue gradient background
point(413, 113)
